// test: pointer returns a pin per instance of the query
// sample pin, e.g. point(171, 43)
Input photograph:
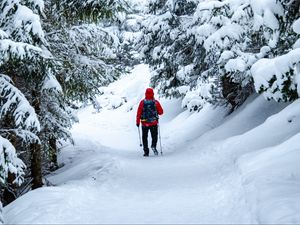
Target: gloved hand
point(138, 125)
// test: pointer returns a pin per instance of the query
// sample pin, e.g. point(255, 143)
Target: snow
point(266, 13)
point(277, 167)
point(297, 44)
point(10, 163)
point(296, 26)
point(3, 34)
point(239, 14)
point(195, 99)
point(9, 48)
point(24, 15)
point(215, 168)
point(226, 55)
point(140, 4)
point(23, 113)
point(268, 9)
point(270, 20)
point(209, 5)
point(222, 36)
point(265, 69)
point(202, 32)
point(235, 64)
point(52, 83)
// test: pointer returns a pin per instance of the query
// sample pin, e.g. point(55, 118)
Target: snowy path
point(215, 169)
point(107, 180)
point(174, 188)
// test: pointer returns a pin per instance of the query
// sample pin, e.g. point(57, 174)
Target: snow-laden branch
point(21, 20)
point(12, 100)
point(10, 163)
point(51, 83)
point(278, 77)
point(224, 37)
point(3, 34)
point(25, 135)
point(17, 50)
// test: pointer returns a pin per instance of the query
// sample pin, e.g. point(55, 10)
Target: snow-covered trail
point(173, 188)
point(237, 169)
point(107, 180)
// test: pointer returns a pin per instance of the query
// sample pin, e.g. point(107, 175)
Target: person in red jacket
point(148, 111)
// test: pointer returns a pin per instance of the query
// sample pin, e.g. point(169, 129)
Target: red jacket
point(148, 95)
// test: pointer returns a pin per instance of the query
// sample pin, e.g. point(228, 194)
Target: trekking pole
point(161, 152)
point(140, 137)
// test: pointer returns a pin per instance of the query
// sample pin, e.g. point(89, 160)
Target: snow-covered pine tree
point(278, 78)
point(56, 121)
point(86, 53)
point(10, 166)
point(234, 34)
point(217, 35)
point(77, 11)
point(91, 61)
point(18, 121)
point(129, 31)
point(210, 56)
point(13, 104)
point(85, 57)
point(23, 47)
point(83, 38)
point(165, 46)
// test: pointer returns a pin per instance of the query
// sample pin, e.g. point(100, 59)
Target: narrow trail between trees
point(107, 180)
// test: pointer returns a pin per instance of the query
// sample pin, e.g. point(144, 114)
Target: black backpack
point(149, 111)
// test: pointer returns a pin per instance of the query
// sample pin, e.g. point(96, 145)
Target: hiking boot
point(155, 151)
point(146, 152)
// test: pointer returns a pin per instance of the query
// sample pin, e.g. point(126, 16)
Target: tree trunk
point(53, 153)
point(36, 165)
point(9, 193)
point(36, 150)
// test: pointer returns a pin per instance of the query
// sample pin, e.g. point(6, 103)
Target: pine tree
point(165, 46)
point(17, 121)
point(86, 53)
point(278, 77)
point(238, 34)
point(85, 49)
point(215, 46)
point(23, 47)
point(56, 121)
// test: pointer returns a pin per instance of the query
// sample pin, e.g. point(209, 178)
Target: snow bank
point(272, 180)
point(129, 89)
point(267, 157)
point(74, 184)
point(183, 129)
point(254, 112)
point(260, 142)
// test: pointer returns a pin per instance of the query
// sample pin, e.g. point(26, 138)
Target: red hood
point(149, 93)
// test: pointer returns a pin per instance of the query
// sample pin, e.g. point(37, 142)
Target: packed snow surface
point(241, 169)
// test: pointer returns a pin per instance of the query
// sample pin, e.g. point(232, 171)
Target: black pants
point(154, 133)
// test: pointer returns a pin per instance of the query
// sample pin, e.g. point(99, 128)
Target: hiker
point(147, 114)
